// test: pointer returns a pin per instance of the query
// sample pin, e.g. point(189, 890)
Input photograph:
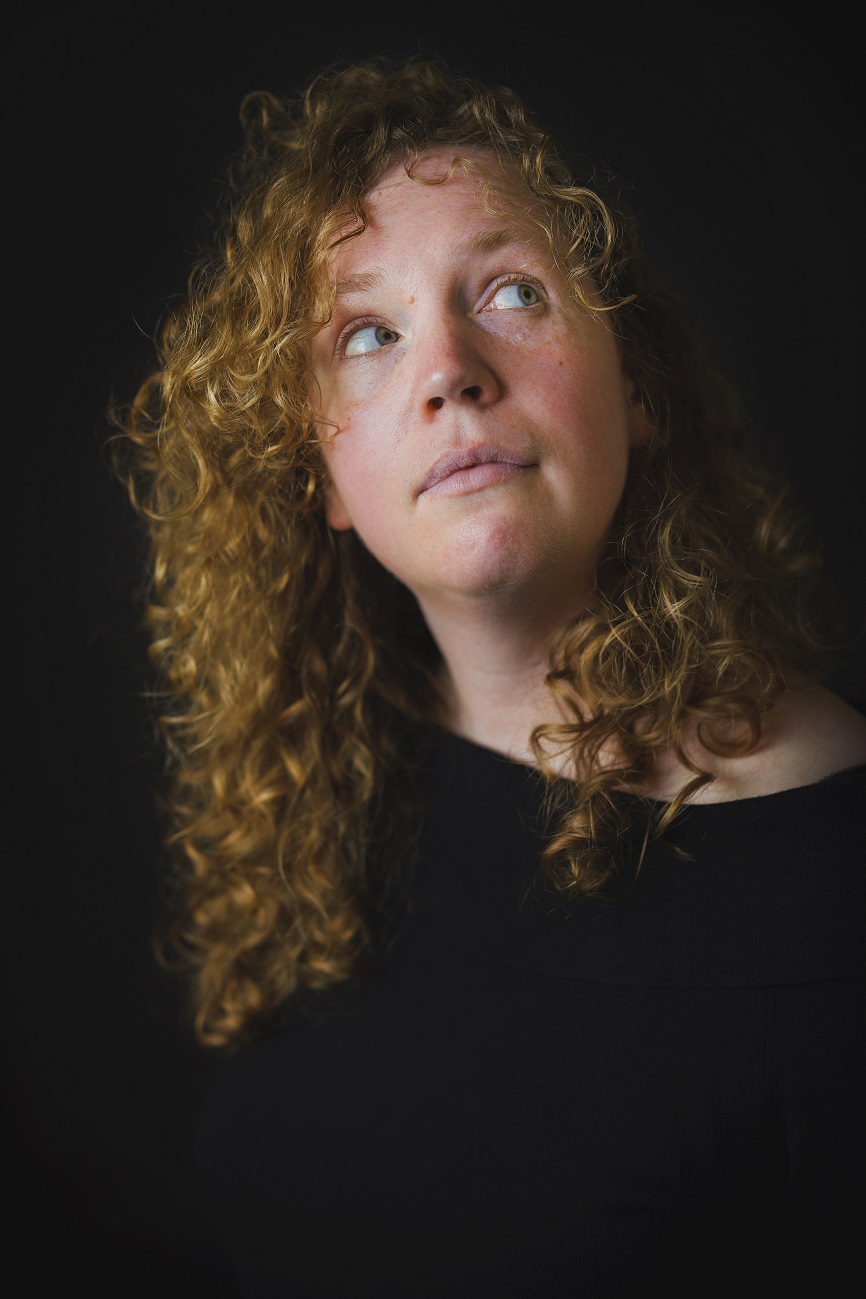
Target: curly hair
point(292, 667)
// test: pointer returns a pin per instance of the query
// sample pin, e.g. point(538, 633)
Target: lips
point(463, 458)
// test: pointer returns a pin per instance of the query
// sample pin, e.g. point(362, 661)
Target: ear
point(336, 514)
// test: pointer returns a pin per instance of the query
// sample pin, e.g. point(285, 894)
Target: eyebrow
point(358, 283)
point(488, 241)
point(484, 241)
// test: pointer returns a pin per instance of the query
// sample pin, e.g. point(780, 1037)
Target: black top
point(657, 1094)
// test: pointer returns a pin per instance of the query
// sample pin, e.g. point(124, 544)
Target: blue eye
point(369, 338)
point(514, 295)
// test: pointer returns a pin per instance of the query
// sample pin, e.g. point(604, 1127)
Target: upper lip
point(465, 457)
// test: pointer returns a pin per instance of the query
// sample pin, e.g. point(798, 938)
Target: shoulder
point(778, 839)
point(808, 734)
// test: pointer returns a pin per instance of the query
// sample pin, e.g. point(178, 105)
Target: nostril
point(436, 402)
point(472, 391)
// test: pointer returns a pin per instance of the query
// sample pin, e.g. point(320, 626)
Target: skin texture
point(471, 346)
point(453, 335)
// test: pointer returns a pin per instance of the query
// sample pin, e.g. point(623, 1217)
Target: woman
point(519, 839)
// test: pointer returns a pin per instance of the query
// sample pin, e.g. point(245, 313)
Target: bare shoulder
point(810, 733)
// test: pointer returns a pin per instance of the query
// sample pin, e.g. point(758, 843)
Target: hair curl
point(291, 665)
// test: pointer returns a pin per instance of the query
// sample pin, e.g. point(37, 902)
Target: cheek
point(364, 490)
point(584, 400)
point(346, 459)
point(364, 454)
point(347, 470)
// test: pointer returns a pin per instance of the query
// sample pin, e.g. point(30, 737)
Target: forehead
point(469, 191)
point(471, 177)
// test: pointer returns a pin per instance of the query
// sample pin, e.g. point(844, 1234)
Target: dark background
point(730, 131)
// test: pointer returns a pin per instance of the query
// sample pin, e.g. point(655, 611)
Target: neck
point(495, 670)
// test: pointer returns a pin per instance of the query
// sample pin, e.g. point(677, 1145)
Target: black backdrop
point(730, 132)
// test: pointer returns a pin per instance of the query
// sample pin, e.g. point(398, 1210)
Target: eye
point(514, 295)
point(369, 338)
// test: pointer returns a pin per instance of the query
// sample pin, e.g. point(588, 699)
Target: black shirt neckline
point(726, 810)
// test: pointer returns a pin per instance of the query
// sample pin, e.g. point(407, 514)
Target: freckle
point(412, 299)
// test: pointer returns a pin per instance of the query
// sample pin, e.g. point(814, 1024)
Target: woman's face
point(483, 420)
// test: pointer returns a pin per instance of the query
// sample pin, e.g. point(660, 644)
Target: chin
point(491, 578)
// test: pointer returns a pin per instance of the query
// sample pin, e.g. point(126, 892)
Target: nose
point(453, 369)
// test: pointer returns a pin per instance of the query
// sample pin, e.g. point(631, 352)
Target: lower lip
point(476, 477)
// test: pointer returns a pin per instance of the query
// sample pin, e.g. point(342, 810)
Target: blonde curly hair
point(292, 667)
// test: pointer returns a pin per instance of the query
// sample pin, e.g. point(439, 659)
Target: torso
point(592, 1096)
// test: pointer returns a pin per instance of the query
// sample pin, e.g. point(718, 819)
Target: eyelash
point(366, 321)
point(517, 279)
point(363, 323)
